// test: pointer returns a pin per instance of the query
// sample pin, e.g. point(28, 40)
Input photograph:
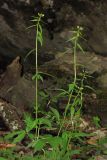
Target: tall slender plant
point(75, 91)
point(38, 39)
point(77, 34)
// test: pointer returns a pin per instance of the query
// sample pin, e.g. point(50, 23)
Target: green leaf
point(31, 26)
point(43, 94)
point(34, 20)
point(31, 136)
point(73, 152)
point(20, 137)
point(38, 76)
point(86, 86)
point(71, 87)
point(96, 121)
point(55, 141)
point(12, 135)
point(50, 75)
point(81, 49)
point(45, 121)
point(40, 38)
point(72, 111)
point(39, 144)
point(56, 114)
point(62, 94)
point(77, 102)
point(80, 134)
point(30, 123)
point(40, 28)
point(72, 39)
point(29, 53)
point(102, 141)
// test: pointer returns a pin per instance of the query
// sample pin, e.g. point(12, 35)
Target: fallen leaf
point(6, 145)
point(92, 141)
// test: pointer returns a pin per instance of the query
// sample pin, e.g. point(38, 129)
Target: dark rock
point(15, 16)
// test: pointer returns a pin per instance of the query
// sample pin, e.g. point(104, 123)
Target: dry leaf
point(6, 145)
point(92, 140)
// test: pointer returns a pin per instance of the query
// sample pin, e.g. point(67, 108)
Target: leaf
point(77, 102)
point(72, 39)
point(50, 75)
point(31, 136)
point(102, 141)
point(40, 40)
point(43, 94)
point(30, 123)
point(81, 49)
point(86, 86)
point(62, 93)
point(34, 20)
point(12, 135)
point(20, 137)
point(74, 152)
point(38, 76)
point(56, 114)
point(29, 53)
point(92, 141)
point(96, 121)
point(39, 144)
point(31, 26)
point(71, 87)
point(65, 139)
point(45, 121)
point(80, 134)
point(40, 28)
point(18, 134)
point(72, 111)
point(55, 141)
point(6, 145)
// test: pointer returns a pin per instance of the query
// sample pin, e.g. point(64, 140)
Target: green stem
point(36, 109)
point(36, 45)
point(75, 61)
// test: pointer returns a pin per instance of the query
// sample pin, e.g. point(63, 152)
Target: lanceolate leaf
point(20, 137)
point(56, 113)
point(81, 49)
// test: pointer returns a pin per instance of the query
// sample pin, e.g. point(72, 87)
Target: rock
point(11, 76)
point(15, 88)
point(10, 116)
point(15, 17)
point(64, 62)
point(47, 3)
point(102, 81)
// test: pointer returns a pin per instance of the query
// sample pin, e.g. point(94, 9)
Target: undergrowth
point(51, 135)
